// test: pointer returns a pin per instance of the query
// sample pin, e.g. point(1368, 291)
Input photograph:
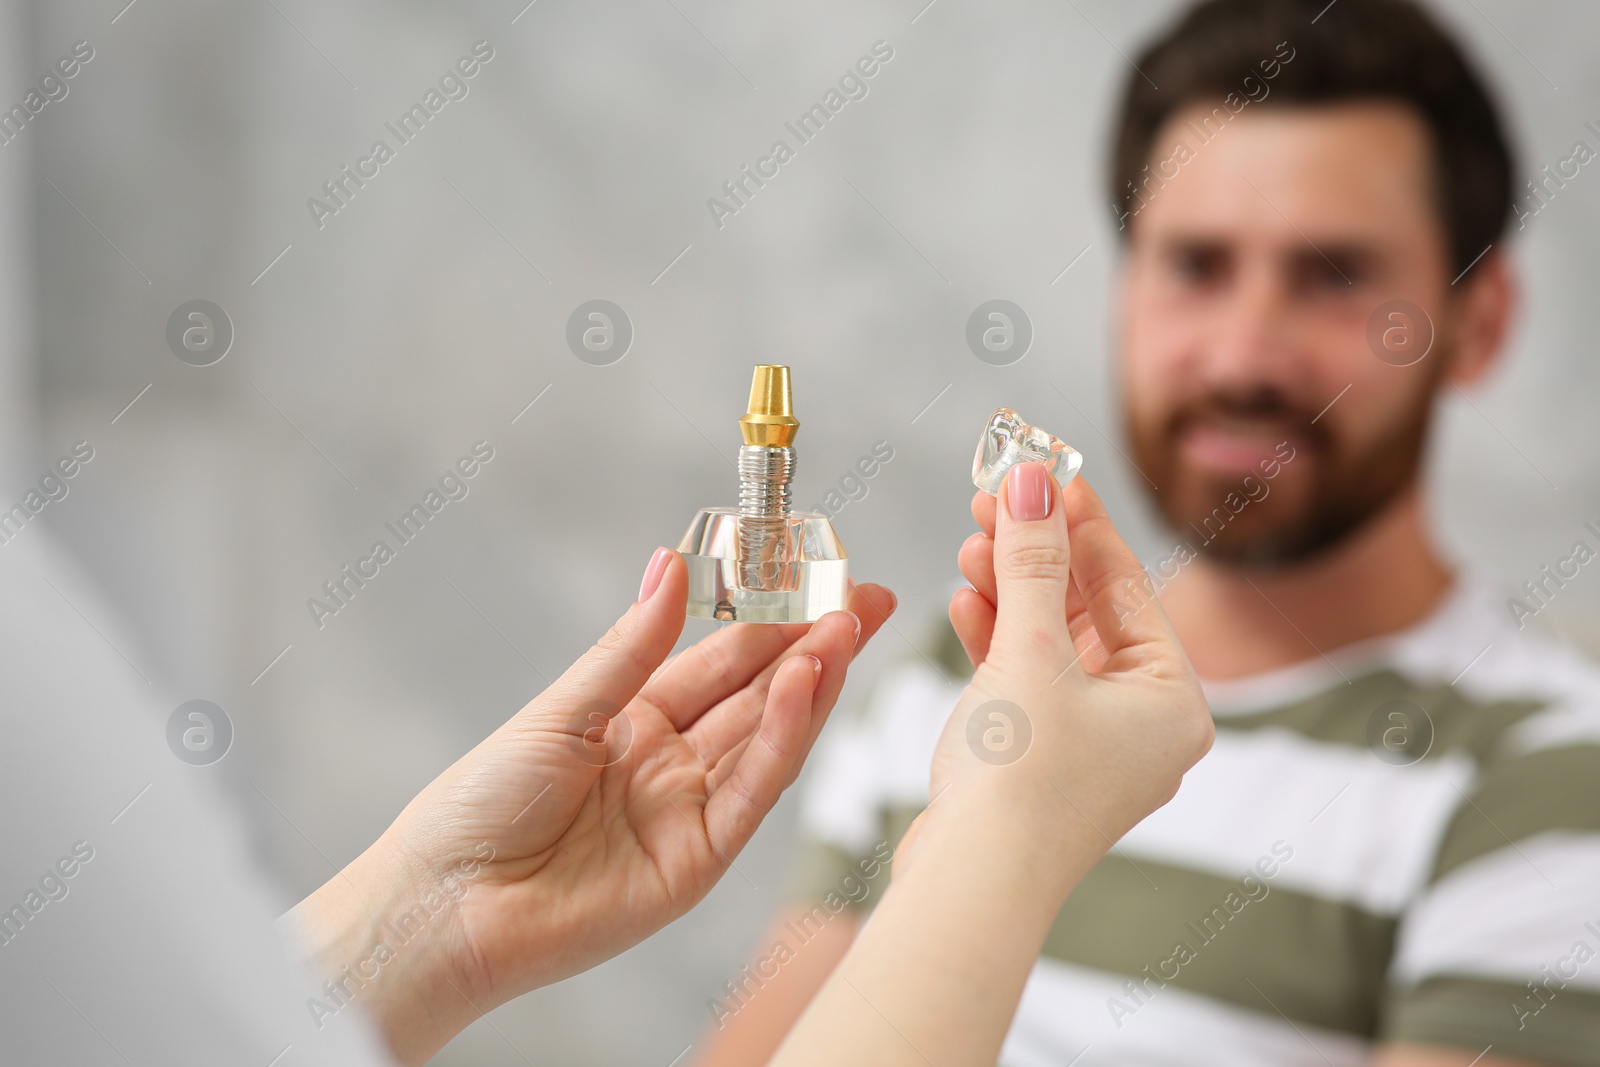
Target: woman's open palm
point(613, 801)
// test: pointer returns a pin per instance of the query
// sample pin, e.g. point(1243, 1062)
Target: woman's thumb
point(616, 667)
point(1032, 563)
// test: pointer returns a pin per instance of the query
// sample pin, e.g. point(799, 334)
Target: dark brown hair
point(1356, 49)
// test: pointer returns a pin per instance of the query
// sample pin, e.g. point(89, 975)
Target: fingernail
point(857, 620)
point(653, 573)
point(816, 668)
point(1028, 492)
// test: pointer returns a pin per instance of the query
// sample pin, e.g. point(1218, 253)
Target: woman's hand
point(1070, 642)
point(1080, 720)
point(603, 810)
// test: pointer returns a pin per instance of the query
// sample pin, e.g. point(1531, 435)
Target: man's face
point(1250, 279)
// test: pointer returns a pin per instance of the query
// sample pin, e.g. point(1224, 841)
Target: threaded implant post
point(764, 505)
point(766, 467)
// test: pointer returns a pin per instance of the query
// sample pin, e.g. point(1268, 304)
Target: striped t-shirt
point(1400, 842)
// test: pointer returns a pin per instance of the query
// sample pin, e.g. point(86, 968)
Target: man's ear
point(1485, 304)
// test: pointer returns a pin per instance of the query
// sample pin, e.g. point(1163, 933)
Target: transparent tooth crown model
point(1007, 441)
point(763, 561)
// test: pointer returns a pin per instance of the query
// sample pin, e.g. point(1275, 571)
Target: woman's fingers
point(1123, 601)
point(1117, 592)
point(713, 668)
point(973, 618)
point(1091, 653)
point(835, 639)
point(872, 604)
point(767, 764)
point(720, 731)
point(976, 560)
point(729, 661)
point(984, 507)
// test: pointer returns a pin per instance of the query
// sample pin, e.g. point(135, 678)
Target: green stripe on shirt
point(1472, 1013)
point(1342, 714)
point(1319, 961)
point(1516, 798)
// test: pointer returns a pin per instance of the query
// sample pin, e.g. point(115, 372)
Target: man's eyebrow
point(1190, 243)
point(1344, 255)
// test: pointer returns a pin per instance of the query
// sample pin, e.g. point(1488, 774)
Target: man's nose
point(1250, 335)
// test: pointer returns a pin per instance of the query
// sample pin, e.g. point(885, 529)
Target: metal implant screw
point(764, 476)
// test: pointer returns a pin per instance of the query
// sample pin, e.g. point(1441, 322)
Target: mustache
point(1265, 403)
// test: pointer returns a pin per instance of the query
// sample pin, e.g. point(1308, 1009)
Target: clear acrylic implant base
point(803, 580)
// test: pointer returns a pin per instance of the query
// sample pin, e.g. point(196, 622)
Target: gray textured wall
point(430, 310)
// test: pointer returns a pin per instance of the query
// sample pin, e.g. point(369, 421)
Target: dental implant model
point(763, 561)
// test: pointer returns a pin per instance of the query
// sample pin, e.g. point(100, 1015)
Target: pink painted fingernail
point(653, 573)
point(1028, 492)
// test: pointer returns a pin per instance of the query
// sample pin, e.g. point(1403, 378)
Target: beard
point(1323, 487)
